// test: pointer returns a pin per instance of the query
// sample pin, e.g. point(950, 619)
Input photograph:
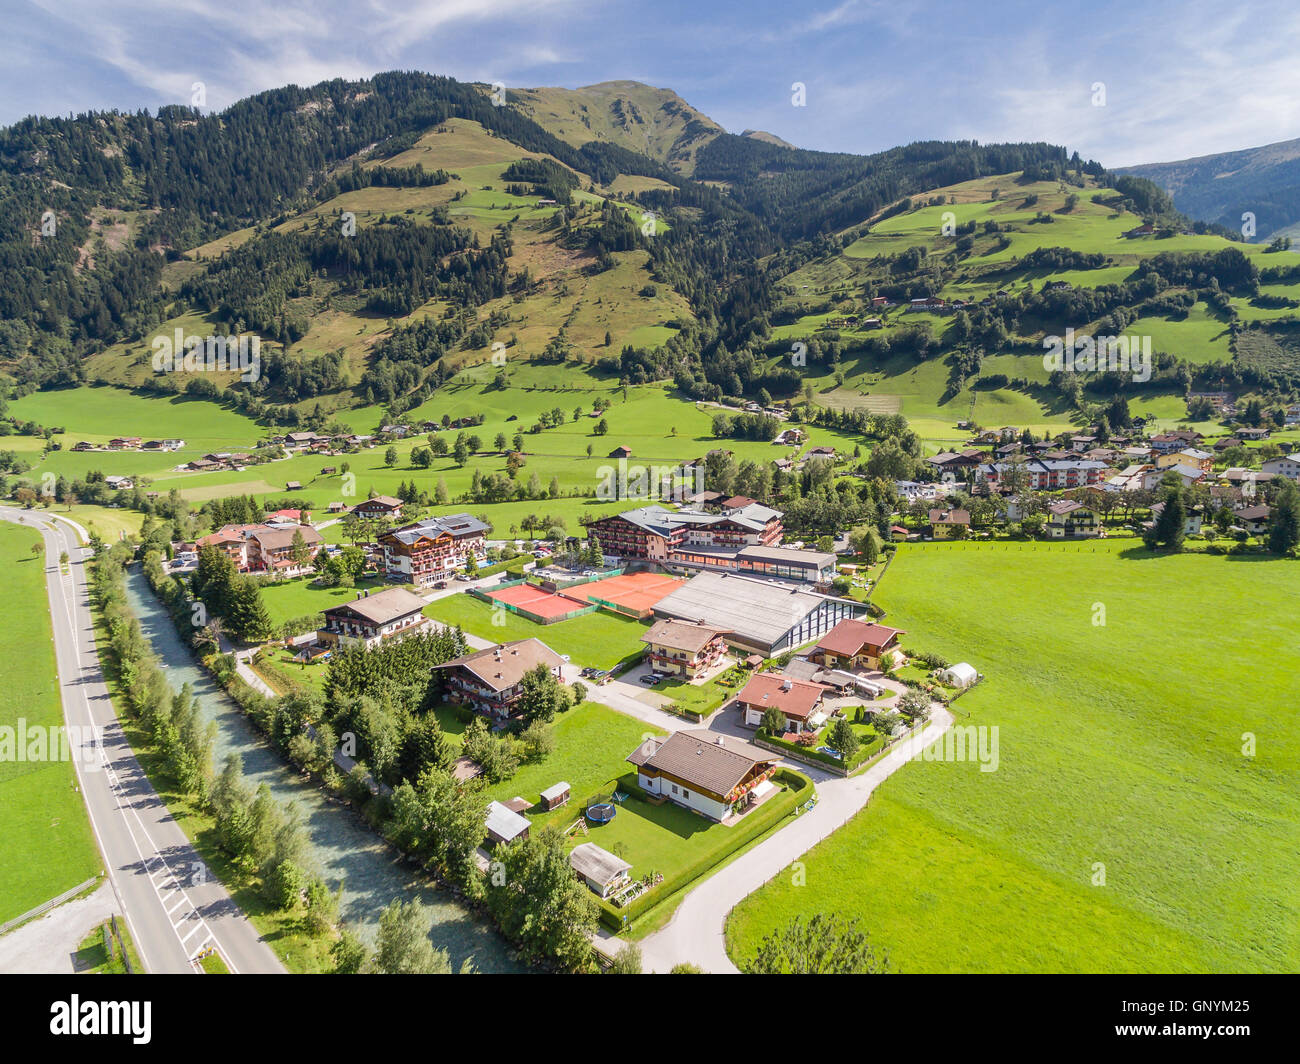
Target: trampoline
point(601, 812)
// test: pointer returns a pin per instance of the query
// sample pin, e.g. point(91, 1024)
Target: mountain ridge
point(1221, 187)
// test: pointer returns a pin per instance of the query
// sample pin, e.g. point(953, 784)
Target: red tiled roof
point(769, 689)
point(849, 637)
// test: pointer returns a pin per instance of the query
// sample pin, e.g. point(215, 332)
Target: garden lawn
point(599, 639)
point(288, 599)
point(1120, 756)
point(47, 839)
point(591, 747)
point(702, 698)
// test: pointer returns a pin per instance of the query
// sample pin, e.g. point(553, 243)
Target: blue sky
point(1180, 79)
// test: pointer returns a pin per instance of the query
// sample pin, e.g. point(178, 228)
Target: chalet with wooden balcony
point(374, 618)
point(490, 680)
point(704, 771)
point(680, 648)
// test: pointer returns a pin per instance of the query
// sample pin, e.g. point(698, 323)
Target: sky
point(1120, 82)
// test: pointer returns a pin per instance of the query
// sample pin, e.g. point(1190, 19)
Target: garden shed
point(555, 796)
point(601, 870)
point(504, 825)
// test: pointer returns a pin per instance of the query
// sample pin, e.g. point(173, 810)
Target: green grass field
point(662, 430)
point(43, 823)
point(1120, 746)
point(591, 746)
point(288, 599)
point(599, 639)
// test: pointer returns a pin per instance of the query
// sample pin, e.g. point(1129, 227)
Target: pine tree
point(1284, 523)
point(1170, 525)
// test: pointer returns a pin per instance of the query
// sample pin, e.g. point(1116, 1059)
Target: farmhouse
point(757, 615)
point(796, 700)
point(489, 680)
point(683, 649)
point(1191, 526)
point(371, 619)
point(855, 644)
point(1254, 519)
point(297, 441)
point(701, 770)
point(955, 462)
point(380, 506)
point(434, 549)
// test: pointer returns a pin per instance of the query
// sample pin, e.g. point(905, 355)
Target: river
point(345, 850)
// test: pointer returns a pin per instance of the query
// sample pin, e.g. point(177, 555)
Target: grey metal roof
point(752, 609)
point(600, 866)
point(505, 823)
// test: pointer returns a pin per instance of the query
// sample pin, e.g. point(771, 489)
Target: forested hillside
point(382, 236)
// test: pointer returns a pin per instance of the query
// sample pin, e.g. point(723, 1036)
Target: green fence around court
point(622, 611)
point(522, 611)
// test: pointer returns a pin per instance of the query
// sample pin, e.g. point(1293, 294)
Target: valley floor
point(1143, 814)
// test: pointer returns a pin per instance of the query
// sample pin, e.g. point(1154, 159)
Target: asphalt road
point(174, 908)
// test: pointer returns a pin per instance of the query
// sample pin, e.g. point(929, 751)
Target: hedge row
point(797, 792)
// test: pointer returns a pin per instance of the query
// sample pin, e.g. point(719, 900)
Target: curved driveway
point(696, 932)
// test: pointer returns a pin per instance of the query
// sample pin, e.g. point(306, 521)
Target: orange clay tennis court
point(633, 593)
point(534, 601)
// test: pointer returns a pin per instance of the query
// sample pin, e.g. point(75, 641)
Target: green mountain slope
point(653, 122)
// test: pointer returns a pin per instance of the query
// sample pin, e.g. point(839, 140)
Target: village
point(763, 667)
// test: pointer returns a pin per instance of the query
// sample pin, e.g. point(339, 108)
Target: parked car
point(650, 679)
point(440, 585)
